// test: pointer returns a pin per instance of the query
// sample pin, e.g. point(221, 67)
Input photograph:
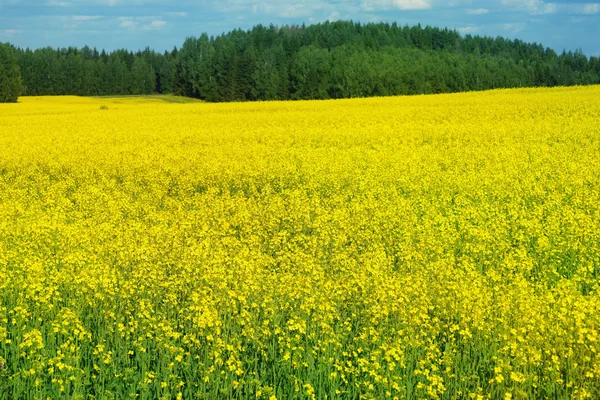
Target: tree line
point(328, 60)
point(88, 72)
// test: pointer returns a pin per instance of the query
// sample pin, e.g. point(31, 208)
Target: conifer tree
point(11, 86)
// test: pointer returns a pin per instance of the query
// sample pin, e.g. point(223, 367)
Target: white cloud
point(128, 23)
point(478, 11)
point(372, 5)
point(10, 32)
point(591, 9)
point(293, 11)
point(580, 8)
point(85, 17)
point(540, 7)
point(282, 9)
point(139, 18)
point(545, 8)
point(180, 14)
point(73, 22)
point(155, 25)
point(514, 27)
point(133, 23)
point(310, 11)
point(58, 3)
point(334, 16)
point(535, 7)
point(465, 30)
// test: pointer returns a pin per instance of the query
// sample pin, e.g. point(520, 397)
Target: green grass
point(167, 98)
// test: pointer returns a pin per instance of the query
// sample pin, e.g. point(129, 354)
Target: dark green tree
point(11, 86)
point(143, 77)
point(268, 77)
point(310, 73)
point(328, 60)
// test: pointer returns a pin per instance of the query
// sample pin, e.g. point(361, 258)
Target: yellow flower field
point(430, 247)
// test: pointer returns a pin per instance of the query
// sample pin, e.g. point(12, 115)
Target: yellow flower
point(430, 241)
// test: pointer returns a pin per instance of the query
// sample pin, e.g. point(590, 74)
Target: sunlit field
point(429, 247)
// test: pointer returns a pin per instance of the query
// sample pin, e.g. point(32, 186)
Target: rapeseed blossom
point(437, 247)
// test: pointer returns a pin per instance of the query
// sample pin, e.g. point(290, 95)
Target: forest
point(329, 60)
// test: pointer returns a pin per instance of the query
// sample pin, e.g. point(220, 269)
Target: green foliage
point(310, 73)
point(86, 72)
point(271, 78)
point(10, 75)
point(346, 59)
point(328, 60)
point(143, 77)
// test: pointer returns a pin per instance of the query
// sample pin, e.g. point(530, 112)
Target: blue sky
point(162, 24)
